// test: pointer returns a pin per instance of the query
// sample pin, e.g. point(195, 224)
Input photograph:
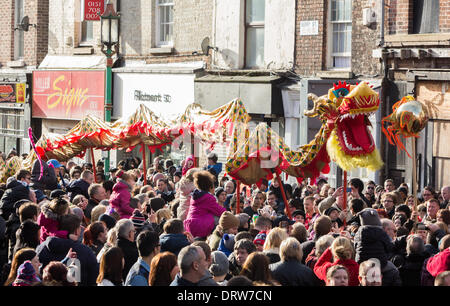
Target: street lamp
point(109, 38)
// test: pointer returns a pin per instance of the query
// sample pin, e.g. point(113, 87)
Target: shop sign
point(12, 93)
point(92, 8)
point(68, 94)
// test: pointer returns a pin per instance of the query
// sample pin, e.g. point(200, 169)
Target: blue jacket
point(173, 242)
point(77, 187)
point(139, 273)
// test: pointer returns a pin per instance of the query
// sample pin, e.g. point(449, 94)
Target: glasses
point(370, 187)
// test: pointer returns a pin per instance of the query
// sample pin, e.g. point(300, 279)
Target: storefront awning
point(73, 62)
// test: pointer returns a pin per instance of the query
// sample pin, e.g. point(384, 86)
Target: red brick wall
point(399, 16)
point(6, 31)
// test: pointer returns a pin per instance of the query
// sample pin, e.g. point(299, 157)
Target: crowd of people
point(184, 225)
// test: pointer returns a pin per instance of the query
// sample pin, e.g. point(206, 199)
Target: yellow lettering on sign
point(68, 96)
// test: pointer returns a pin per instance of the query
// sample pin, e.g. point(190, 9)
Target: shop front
point(14, 112)
point(166, 90)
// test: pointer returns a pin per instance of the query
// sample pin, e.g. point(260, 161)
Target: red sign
point(92, 8)
point(68, 94)
point(12, 93)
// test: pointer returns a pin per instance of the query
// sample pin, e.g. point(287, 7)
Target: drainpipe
point(384, 89)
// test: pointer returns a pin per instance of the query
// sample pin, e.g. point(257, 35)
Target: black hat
point(281, 218)
point(109, 221)
point(157, 203)
point(299, 212)
point(369, 216)
point(329, 210)
point(218, 191)
point(56, 193)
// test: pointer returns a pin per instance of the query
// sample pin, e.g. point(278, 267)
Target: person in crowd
point(260, 240)
point(256, 268)
point(26, 275)
point(193, 266)
point(321, 245)
point(16, 189)
point(27, 235)
point(120, 197)
point(55, 274)
point(357, 187)
point(221, 196)
point(219, 267)
point(49, 218)
point(56, 249)
point(186, 186)
point(322, 226)
point(258, 200)
point(126, 242)
point(97, 193)
point(299, 232)
point(299, 216)
point(228, 224)
point(48, 180)
point(428, 193)
point(410, 265)
point(445, 192)
point(242, 248)
point(389, 185)
point(370, 273)
point(163, 190)
point(20, 257)
point(389, 201)
point(272, 244)
point(111, 268)
point(174, 237)
point(342, 253)
point(148, 247)
point(337, 276)
point(290, 271)
point(94, 236)
point(163, 269)
point(433, 207)
point(200, 219)
point(81, 186)
point(207, 279)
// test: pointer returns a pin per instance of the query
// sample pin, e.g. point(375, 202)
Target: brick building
point(22, 49)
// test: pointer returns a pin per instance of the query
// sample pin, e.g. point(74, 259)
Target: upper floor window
point(425, 16)
point(18, 34)
point(254, 33)
point(164, 13)
point(340, 37)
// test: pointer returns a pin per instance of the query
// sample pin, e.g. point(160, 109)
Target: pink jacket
point(200, 219)
point(48, 220)
point(120, 199)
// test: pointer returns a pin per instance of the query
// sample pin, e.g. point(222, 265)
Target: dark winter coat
point(77, 187)
point(56, 249)
point(15, 191)
point(411, 268)
point(293, 273)
point(48, 180)
point(371, 241)
point(90, 205)
point(130, 254)
point(173, 242)
point(12, 225)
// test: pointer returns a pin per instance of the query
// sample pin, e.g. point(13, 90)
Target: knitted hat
point(228, 220)
point(26, 275)
point(369, 216)
point(137, 218)
point(219, 264)
point(260, 238)
point(109, 221)
point(226, 244)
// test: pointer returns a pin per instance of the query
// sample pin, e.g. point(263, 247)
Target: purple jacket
point(200, 219)
point(48, 220)
point(120, 199)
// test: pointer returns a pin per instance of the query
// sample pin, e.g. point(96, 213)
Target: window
point(425, 16)
point(254, 33)
point(340, 34)
point(164, 27)
point(18, 34)
point(87, 31)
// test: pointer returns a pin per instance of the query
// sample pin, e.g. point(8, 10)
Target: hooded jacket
point(56, 249)
point(48, 180)
point(371, 241)
point(15, 191)
point(200, 219)
point(120, 199)
point(77, 187)
point(48, 220)
point(173, 242)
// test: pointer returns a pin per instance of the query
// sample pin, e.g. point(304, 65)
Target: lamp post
point(109, 38)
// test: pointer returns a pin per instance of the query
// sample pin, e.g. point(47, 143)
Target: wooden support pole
point(144, 164)
point(238, 196)
point(94, 167)
point(345, 196)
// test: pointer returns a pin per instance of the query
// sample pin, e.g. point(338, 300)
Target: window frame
point(158, 5)
point(82, 41)
point(19, 35)
point(252, 25)
point(330, 43)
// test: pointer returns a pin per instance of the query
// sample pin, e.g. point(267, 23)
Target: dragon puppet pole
point(345, 197)
point(414, 173)
point(286, 204)
point(93, 164)
point(144, 164)
point(238, 197)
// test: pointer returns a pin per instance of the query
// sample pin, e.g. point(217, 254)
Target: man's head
point(87, 176)
point(173, 226)
point(291, 249)
point(370, 187)
point(229, 187)
point(445, 191)
point(71, 223)
point(192, 263)
point(389, 185)
point(263, 224)
point(161, 184)
point(370, 273)
point(148, 243)
point(389, 200)
point(308, 204)
point(427, 193)
point(24, 176)
point(432, 208)
point(322, 226)
point(242, 249)
point(97, 192)
point(125, 229)
point(206, 249)
point(389, 227)
point(272, 199)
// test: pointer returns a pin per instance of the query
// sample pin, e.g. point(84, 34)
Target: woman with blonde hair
point(341, 252)
point(272, 244)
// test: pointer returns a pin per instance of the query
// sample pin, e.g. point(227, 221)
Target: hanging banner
point(68, 94)
point(92, 8)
